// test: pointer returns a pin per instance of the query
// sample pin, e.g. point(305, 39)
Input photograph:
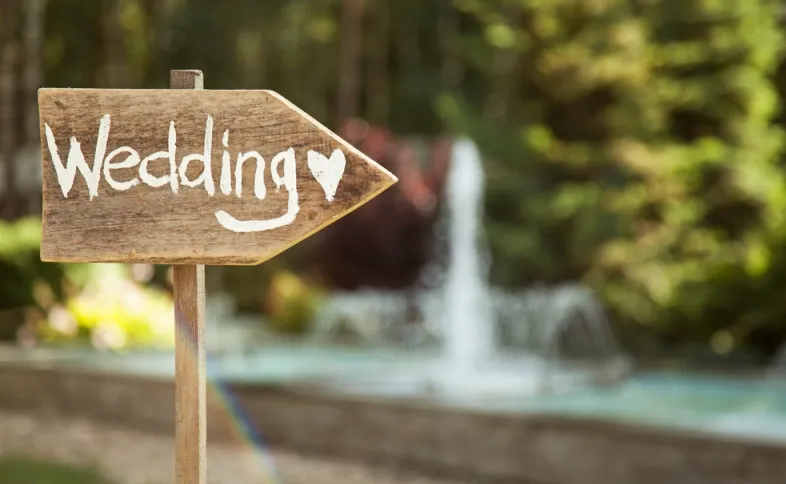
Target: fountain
point(468, 317)
point(467, 326)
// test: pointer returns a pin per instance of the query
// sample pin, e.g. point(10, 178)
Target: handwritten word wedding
point(326, 171)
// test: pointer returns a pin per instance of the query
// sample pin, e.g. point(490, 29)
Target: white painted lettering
point(131, 160)
point(289, 180)
point(206, 176)
point(259, 174)
point(226, 170)
point(171, 177)
point(76, 160)
point(327, 171)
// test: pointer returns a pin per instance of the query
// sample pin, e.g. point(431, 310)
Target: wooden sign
point(190, 176)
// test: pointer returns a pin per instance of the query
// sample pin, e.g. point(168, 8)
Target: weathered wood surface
point(138, 221)
point(190, 375)
point(190, 357)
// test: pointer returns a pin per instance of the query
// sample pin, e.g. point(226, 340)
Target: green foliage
point(23, 470)
point(112, 312)
point(291, 303)
point(22, 274)
point(638, 149)
point(25, 281)
point(75, 302)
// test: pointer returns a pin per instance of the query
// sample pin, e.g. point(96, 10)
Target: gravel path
point(132, 457)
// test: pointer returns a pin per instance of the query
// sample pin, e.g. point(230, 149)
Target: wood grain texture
point(186, 79)
point(190, 375)
point(190, 356)
point(155, 225)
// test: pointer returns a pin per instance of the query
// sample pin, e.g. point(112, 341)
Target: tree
point(639, 150)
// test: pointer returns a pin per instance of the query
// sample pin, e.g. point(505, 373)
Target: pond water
point(748, 407)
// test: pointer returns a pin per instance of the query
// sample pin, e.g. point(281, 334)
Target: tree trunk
point(377, 81)
point(407, 40)
point(115, 65)
point(9, 53)
point(29, 161)
point(349, 71)
point(452, 70)
point(157, 15)
point(34, 16)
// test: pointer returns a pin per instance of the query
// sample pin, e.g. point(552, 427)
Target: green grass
point(23, 470)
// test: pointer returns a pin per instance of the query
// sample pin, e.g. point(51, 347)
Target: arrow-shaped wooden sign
point(190, 176)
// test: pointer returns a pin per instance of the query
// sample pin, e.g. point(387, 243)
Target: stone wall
point(486, 447)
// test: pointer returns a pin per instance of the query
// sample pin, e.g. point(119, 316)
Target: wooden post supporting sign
point(189, 177)
point(188, 283)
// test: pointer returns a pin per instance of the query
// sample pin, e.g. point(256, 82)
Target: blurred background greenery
point(24, 470)
point(634, 145)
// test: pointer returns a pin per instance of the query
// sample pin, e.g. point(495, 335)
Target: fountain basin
point(651, 428)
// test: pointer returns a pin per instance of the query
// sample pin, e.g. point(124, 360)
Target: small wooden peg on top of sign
point(188, 176)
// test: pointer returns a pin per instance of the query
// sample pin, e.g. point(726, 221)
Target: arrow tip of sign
point(391, 177)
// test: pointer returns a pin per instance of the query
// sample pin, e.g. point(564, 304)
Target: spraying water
point(466, 313)
point(468, 328)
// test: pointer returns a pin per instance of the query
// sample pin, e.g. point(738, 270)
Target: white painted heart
point(327, 171)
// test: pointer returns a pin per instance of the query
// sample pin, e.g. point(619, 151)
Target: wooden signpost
point(189, 177)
